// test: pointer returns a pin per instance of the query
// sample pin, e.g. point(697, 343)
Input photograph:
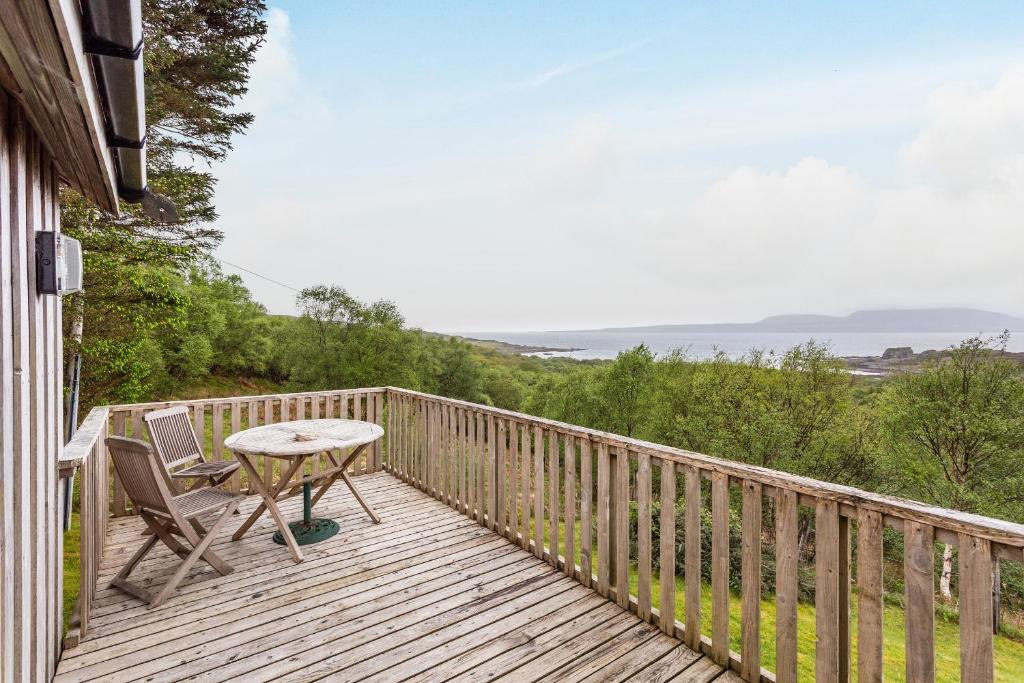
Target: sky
point(531, 166)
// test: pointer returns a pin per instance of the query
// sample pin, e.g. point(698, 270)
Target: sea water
point(607, 344)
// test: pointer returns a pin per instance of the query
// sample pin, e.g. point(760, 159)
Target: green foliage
point(954, 431)
point(197, 60)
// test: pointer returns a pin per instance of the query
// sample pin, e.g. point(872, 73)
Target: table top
point(303, 437)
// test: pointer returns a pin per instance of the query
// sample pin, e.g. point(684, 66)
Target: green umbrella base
point(318, 530)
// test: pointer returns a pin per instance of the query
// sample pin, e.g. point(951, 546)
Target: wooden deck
point(427, 595)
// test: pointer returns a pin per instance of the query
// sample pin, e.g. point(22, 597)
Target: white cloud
point(612, 217)
point(975, 137)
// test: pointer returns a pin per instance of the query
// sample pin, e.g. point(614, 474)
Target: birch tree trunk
point(947, 573)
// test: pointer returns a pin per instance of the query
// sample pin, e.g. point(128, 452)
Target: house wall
point(30, 410)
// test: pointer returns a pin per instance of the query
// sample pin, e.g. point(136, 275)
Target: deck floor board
point(427, 595)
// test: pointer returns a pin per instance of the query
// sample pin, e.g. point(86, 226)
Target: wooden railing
point(87, 454)
point(604, 509)
point(216, 418)
point(565, 493)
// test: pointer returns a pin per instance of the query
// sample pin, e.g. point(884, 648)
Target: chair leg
point(200, 551)
point(121, 580)
point(212, 558)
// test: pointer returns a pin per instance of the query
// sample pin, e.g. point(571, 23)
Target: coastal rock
point(898, 353)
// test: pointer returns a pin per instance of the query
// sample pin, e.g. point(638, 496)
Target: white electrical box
point(58, 263)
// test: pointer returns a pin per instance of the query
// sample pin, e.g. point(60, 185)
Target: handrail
point(86, 453)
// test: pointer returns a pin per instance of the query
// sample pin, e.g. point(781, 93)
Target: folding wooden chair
point(167, 515)
point(178, 446)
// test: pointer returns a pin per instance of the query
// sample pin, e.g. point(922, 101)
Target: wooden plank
point(603, 520)
point(569, 515)
point(538, 492)
point(524, 486)
point(460, 426)
point(621, 550)
point(976, 654)
point(667, 549)
point(236, 426)
point(501, 476)
point(514, 468)
point(750, 579)
point(120, 501)
point(786, 587)
point(826, 594)
point(553, 496)
point(643, 536)
point(919, 585)
point(586, 506)
point(491, 474)
point(844, 600)
point(691, 571)
point(719, 568)
point(481, 471)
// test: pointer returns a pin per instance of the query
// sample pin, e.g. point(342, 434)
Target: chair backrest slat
point(173, 436)
point(137, 467)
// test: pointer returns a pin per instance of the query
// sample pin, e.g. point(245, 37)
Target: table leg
point(341, 474)
point(269, 503)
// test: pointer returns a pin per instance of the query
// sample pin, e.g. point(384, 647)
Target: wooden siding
point(30, 410)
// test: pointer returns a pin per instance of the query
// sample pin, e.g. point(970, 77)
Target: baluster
point(719, 568)
point(643, 536)
point(460, 426)
point(492, 492)
point(538, 492)
point(218, 431)
point(603, 519)
point(236, 426)
point(621, 523)
point(553, 501)
point(826, 594)
point(586, 521)
point(569, 516)
point(919, 584)
point(481, 471)
point(500, 470)
point(786, 588)
point(524, 487)
point(513, 480)
point(750, 578)
point(120, 504)
point(667, 544)
point(470, 465)
point(976, 658)
point(268, 463)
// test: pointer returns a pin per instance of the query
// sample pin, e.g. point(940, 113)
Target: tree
point(197, 59)
point(458, 372)
point(339, 342)
point(625, 391)
point(955, 432)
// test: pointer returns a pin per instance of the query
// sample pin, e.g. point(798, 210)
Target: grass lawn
point(1009, 654)
point(72, 565)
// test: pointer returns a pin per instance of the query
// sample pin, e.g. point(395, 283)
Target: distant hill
point(888, 320)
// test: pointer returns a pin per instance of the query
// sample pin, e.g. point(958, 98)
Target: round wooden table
point(297, 441)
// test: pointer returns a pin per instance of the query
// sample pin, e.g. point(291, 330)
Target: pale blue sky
point(542, 165)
